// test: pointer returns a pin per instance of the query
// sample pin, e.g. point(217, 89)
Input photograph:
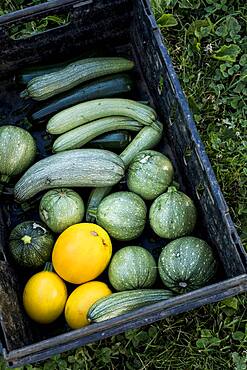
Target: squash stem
point(25, 207)
point(4, 178)
point(183, 284)
point(24, 94)
point(172, 189)
point(26, 239)
point(48, 267)
point(91, 214)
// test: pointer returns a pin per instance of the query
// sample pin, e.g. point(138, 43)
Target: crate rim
point(214, 292)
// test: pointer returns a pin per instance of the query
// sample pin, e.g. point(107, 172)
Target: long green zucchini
point(102, 88)
point(74, 168)
point(99, 108)
point(115, 141)
point(79, 136)
point(117, 304)
point(43, 87)
point(147, 138)
point(94, 201)
point(27, 74)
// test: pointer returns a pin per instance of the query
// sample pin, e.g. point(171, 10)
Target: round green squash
point(132, 267)
point(30, 244)
point(17, 151)
point(172, 214)
point(122, 215)
point(61, 208)
point(186, 264)
point(149, 174)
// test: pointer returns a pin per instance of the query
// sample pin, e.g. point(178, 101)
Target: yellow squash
point(81, 253)
point(44, 297)
point(81, 299)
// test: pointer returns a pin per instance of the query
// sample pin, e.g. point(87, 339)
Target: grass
point(208, 45)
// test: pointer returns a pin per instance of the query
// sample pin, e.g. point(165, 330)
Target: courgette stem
point(147, 138)
point(4, 179)
point(48, 267)
point(24, 94)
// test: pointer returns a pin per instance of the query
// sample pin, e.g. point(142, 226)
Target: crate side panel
point(89, 27)
point(185, 142)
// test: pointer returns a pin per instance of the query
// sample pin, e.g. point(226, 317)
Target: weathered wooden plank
point(14, 325)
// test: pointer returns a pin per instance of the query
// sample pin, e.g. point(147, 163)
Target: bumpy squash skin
point(186, 264)
point(149, 174)
point(17, 151)
point(132, 267)
point(35, 249)
point(172, 214)
point(122, 215)
point(61, 208)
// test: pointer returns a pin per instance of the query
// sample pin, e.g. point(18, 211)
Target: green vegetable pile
point(149, 199)
point(208, 47)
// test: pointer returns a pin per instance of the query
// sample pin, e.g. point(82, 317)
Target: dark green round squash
point(31, 244)
point(149, 174)
point(17, 151)
point(61, 208)
point(186, 264)
point(172, 214)
point(132, 267)
point(122, 215)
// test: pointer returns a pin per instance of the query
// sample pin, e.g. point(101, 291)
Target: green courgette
point(27, 74)
point(115, 141)
point(92, 110)
point(46, 86)
point(102, 88)
point(74, 168)
point(147, 138)
point(117, 304)
point(80, 136)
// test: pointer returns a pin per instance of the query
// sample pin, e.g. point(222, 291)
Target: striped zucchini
point(101, 88)
point(74, 168)
point(79, 136)
point(43, 87)
point(147, 138)
point(92, 110)
point(120, 303)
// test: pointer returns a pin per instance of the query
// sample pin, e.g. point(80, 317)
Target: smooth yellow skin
point(81, 299)
point(81, 253)
point(44, 297)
